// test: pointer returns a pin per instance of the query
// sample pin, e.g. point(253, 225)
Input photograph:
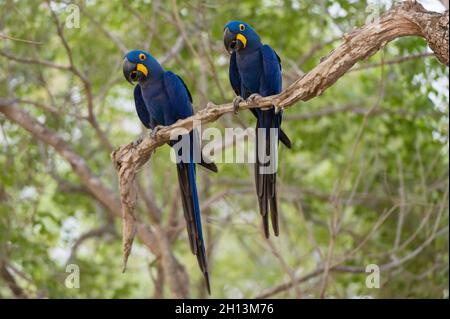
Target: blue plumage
point(162, 98)
point(141, 108)
point(255, 68)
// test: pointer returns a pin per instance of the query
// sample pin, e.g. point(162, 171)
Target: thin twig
point(8, 37)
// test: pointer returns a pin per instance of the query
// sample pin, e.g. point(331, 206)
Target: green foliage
point(343, 166)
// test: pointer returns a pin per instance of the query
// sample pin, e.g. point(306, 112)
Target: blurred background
point(355, 190)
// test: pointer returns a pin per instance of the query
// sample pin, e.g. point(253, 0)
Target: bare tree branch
point(114, 38)
point(405, 19)
point(358, 109)
point(394, 61)
point(350, 269)
point(39, 131)
point(84, 79)
point(154, 239)
point(10, 281)
point(35, 61)
point(8, 37)
point(97, 232)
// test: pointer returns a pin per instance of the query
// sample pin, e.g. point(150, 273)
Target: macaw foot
point(253, 99)
point(155, 131)
point(238, 99)
point(278, 109)
point(138, 141)
point(210, 105)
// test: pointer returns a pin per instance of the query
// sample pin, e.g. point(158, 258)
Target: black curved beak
point(134, 71)
point(129, 70)
point(230, 41)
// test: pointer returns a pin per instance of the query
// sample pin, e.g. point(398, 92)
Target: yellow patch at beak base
point(242, 38)
point(142, 68)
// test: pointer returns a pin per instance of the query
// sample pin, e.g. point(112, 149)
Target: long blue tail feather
point(192, 214)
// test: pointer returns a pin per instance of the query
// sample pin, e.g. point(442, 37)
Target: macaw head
point(240, 36)
point(140, 66)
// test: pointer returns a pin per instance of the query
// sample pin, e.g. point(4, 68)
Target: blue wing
point(235, 79)
point(185, 86)
point(271, 81)
point(181, 107)
point(141, 109)
point(179, 97)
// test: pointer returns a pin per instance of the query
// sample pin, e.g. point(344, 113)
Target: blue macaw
point(161, 98)
point(255, 71)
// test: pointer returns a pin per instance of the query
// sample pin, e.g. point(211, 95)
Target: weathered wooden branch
point(405, 19)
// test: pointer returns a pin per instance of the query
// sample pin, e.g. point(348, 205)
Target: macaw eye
point(142, 56)
point(241, 27)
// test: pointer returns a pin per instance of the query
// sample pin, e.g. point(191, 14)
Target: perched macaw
point(255, 71)
point(161, 98)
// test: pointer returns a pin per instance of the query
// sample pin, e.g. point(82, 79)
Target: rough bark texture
point(405, 19)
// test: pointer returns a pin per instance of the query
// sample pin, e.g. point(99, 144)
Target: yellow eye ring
point(241, 27)
point(142, 56)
